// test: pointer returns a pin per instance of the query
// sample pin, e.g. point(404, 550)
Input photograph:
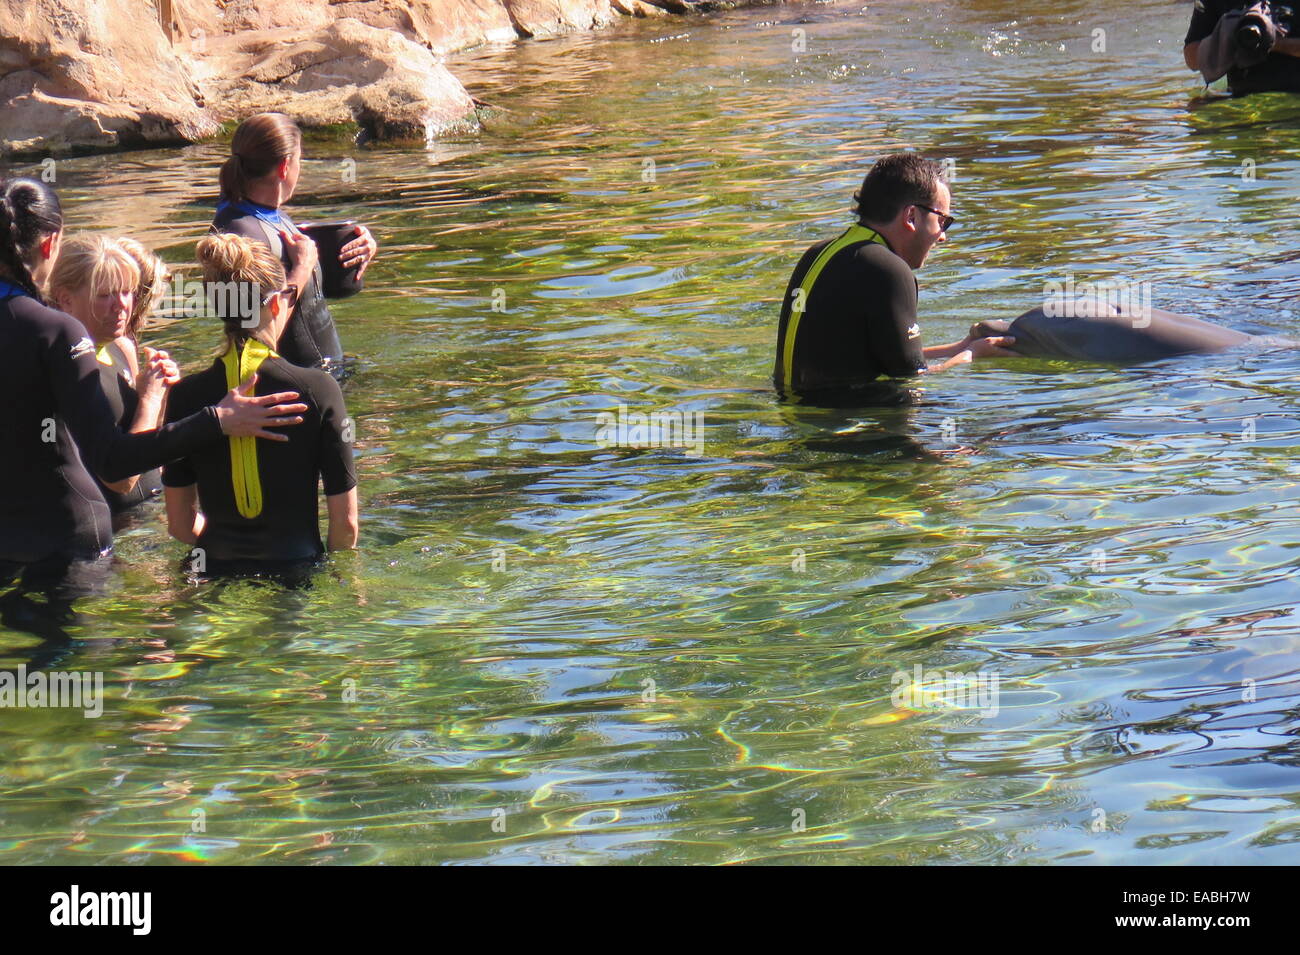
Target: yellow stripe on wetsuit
point(854, 235)
point(243, 451)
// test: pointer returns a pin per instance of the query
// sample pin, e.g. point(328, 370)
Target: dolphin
point(1123, 334)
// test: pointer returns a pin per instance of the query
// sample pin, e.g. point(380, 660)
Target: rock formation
point(87, 75)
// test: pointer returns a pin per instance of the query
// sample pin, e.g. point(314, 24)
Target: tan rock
point(347, 72)
point(94, 75)
point(36, 122)
point(100, 74)
point(552, 17)
point(441, 25)
point(247, 16)
point(675, 6)
point(635, 8)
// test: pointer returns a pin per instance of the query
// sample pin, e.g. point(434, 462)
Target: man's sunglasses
point(945, 221)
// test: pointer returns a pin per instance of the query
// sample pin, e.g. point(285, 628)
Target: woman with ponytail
point(251, 510)
point(256, 180)
point(96, 280)
point(57, 427)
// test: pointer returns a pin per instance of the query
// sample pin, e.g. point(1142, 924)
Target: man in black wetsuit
point(849, 314)
point(1280, 70)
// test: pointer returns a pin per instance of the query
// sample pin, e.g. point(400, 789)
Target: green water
point(1102, 540)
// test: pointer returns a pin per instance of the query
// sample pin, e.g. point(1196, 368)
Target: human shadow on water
point(19, 612)
point(41, 601)
point(1215, 112)
point(47, 610)
point(185, 606)
point(287, 575)
point(878, 431)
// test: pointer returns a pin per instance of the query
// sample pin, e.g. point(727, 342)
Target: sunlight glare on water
point(649, 656)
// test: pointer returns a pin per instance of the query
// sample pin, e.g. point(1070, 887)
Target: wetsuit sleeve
point(1205, 14)
point(81, 403)
point(178, 473)
point(893, 336)
point(338, 473)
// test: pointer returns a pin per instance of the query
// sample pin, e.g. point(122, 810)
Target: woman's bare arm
point(184, 520)
point(344, 525)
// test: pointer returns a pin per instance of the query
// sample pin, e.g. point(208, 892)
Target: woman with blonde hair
point(96, 280)
point(55, 529)
point(251, 510)
point(148, 292)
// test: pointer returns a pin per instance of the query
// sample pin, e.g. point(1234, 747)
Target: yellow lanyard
point(854, 235)
point(243, 451)
point(102, 356)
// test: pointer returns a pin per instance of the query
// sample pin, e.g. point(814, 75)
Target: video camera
point(1259, 28)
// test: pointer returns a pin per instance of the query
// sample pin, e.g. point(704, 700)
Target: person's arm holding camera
point(1203, 23)
point(1208, 23)
point(1287, 45)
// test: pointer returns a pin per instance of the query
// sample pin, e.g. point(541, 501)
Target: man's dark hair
point(903, 179)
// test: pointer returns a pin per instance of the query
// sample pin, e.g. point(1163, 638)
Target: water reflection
point(1102, 539)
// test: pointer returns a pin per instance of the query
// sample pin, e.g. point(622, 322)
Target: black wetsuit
point(287, 530)
point(56, 417)
point(119, 389)
point(310, 340)
point(1278, 71)
point(859, 324)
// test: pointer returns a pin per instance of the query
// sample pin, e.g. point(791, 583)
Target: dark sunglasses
point(946, 222)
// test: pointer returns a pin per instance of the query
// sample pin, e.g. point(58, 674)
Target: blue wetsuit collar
point(248, 207)
point(8, 290)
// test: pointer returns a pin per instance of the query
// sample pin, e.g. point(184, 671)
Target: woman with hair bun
point(251, 510)
point(58, 427)
point(95, 280)
point(256, 180)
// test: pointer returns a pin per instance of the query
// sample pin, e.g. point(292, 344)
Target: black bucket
point(330, 237)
